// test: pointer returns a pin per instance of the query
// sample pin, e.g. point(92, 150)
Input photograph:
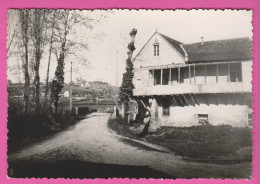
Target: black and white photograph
point(124, 93)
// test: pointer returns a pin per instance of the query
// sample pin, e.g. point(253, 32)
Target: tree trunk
point(57, 83)
point(24, 16)
point(39, 18)
point(48, 68)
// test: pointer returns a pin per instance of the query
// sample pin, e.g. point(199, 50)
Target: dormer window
point(156, 48)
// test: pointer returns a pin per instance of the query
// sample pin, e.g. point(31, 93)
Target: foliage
point(127, 86)
point(24, 129)
point(29, 32)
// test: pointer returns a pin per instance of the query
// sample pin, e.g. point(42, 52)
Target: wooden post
point(234, 102)
point(217, 73)
point(174, 100)
point(192, 99)
point(185, 99)
point(189, 74)
point(197, 100)
point(180, 100)
point(207, 99)
point(179, 75)
point(205, 73)
point(161, 75)
point(241, 72)
point(76, 111)
point(170, 76)
point(153, 78)
point(226, 98)
point(216, 99)
point(194, 72)
point(228, 77)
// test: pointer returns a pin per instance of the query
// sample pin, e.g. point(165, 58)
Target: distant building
point(66, 94)
point(82, 82)
point(190, 84)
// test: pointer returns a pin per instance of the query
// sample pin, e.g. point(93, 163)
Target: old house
point(193, 84)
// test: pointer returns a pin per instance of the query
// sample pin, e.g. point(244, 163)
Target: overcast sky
point(107, 57)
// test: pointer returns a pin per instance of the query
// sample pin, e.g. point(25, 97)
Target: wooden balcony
point(228, 87)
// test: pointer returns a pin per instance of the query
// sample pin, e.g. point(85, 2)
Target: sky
point(106, 57)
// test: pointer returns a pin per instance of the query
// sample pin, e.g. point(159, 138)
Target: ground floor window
point(166, 107)
point(203, 119)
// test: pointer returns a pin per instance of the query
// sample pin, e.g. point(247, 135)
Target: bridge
point(82, 108)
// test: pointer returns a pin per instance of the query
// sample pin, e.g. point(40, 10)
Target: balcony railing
point(229, 87)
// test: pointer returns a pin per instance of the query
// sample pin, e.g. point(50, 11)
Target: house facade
point(193, 84)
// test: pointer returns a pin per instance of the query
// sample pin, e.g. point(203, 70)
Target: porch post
point(189, 74)
point(153, 78)
point(228, 77)
point(161, 75)
point(179, 75)
point(205, 73)
point(217, 73)
point(194, 74)
point(170, 76)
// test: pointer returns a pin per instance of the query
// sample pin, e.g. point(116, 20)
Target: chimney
point(202, 42)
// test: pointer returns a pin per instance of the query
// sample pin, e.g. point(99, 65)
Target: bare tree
point(24, 30)
point(38, 38)
point(69, 43)
point(49, 59)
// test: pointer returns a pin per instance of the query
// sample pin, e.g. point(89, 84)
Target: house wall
point(167, 54)
point(247, 73)
point(229, 109)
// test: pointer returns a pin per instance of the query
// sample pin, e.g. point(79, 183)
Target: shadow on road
point(80, 169)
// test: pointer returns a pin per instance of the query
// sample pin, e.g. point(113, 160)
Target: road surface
point(91, 141)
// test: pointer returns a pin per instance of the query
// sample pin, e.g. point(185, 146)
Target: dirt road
point(91, 140)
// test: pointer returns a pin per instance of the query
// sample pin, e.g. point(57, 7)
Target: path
point(91, 140)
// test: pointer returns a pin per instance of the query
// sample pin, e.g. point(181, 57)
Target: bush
point(24, 129)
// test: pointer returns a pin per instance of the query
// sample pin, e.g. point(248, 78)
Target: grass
point(121, 127)
point(25, 129)
point(202, 143)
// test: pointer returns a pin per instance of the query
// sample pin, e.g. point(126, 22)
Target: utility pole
point(71, 86)
point(116, 96)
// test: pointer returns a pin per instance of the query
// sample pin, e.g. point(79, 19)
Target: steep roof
point(221, 50)
point(176, 44)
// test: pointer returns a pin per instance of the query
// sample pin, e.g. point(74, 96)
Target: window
point(250, 119)
point(165, 77)
point(203, 119)
point(156, 48)
point(157, 77)
point(166, 107)
point(235, 72)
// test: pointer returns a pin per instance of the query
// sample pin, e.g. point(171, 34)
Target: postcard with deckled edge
point(138, 94)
